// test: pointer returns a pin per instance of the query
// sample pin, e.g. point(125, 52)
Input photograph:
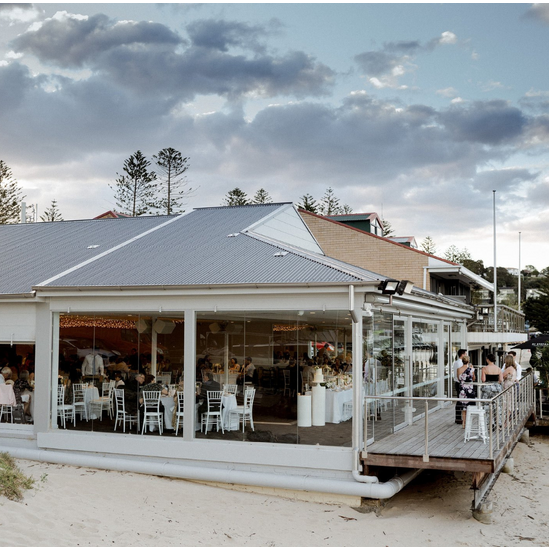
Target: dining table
point(169, 404)
point(334, 405)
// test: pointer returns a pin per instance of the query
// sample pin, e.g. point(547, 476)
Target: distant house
point(369, 222)
point(110, 214)
point(406, 241)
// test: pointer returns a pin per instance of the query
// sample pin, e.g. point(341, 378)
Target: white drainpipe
point(259, 479)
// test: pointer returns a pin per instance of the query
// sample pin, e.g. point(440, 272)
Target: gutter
point(258, 479)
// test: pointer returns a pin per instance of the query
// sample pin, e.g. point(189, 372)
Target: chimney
point(23, 212)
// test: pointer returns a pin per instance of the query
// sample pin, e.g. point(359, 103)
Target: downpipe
point(299, 483)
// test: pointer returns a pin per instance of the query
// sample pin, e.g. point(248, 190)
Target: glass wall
point(267, 368)
point(17, 370)
point(101, 353)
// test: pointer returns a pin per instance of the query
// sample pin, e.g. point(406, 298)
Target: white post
point(519, 274)
point(495, 290)
point(23, 212)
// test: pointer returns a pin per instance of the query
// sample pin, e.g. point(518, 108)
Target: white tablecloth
point(90, 395)
point(229, 421)
point(169, 405)
point(335, 404)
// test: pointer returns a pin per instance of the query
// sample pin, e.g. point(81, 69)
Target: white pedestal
point(318, 405)
point(304, 411)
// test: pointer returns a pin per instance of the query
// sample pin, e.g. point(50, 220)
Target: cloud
point(385, 66)
point(538, 12)
point(447, 92)
point(489, 122)
point(149, 58)
point(72, 41)
point(18, 13)
point(221, 35)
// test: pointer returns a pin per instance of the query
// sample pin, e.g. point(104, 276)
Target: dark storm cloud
point(149, 58)
point(15, 81)
point(489, 122)
point(75, 42)
point(377, 63)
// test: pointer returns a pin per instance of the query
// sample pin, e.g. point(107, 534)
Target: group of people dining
point(494, 379)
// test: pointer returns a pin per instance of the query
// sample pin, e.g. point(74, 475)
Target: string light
point(80, 321)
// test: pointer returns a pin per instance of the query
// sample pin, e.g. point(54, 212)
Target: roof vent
point(280, 254)
point(93, 246)
point(233, 235)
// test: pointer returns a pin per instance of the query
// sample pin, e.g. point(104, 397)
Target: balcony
point(508, 320)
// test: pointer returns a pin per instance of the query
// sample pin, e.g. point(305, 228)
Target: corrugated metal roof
point(193, 249)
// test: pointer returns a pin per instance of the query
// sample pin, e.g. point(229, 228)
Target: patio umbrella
point(534, 343)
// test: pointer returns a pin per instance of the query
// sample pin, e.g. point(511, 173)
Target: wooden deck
point(446, 448)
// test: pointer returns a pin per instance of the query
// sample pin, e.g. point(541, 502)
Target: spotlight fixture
point(389, 286)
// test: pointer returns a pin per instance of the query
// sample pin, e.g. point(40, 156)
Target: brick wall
point(367, 250)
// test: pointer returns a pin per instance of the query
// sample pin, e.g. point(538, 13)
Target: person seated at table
point(248, 371)
point(208, 384)
point(131, 394)
point(119, 382)
point(234, 365)
point(6, 373)
point(22, 387)
point(151, 385)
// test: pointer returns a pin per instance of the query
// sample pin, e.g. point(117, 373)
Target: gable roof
point(207, 246)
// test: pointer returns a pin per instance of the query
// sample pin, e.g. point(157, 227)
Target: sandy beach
point(75, 507)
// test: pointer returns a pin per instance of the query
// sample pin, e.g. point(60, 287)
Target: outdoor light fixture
point(393, 286)
point(404, 287)
point(389, 286)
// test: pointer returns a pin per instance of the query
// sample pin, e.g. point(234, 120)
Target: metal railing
point(508, 320)
point(504, 412)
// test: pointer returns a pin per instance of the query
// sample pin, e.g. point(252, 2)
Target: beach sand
point(72, 507)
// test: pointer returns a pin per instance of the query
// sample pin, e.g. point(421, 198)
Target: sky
point(415, 111)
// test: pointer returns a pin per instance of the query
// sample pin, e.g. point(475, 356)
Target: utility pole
point(495, 290)
point(519, 275)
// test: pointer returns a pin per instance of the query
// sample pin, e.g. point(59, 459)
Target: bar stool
point(478, 429)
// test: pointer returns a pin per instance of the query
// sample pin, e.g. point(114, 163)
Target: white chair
point(213, 415)
point(79, 400)
point(65, 412)
point(245, 411)
point(152, 414)
point(230, 388)
point(121, 414)
point(7, 401)
point(347, 410)
point(477, 429)
point(179, 411)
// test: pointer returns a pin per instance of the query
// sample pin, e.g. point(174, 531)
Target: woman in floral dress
point(466, 377)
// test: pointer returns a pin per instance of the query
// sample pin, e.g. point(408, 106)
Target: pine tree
point(453, 254)
point(135, 191)
point(330, 204)
point(347, 209)
point(261, 197)
point(235, 197)
point(387, 230)
point(309, 204)
point(428, 245)
point(172, 167)
point(52, 214)
point(10, 196)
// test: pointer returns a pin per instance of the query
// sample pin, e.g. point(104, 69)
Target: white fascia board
point(465, 273)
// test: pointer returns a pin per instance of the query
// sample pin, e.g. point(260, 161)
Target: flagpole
point(495, 291)
point(519, 275)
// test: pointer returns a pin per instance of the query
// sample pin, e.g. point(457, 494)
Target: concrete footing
point(508, 467)
point(525, 437)
point(484, 513)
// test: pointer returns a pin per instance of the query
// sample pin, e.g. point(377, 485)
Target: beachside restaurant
point(237, 352)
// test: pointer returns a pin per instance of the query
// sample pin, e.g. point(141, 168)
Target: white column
point(189, 374)
point(46, 369)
